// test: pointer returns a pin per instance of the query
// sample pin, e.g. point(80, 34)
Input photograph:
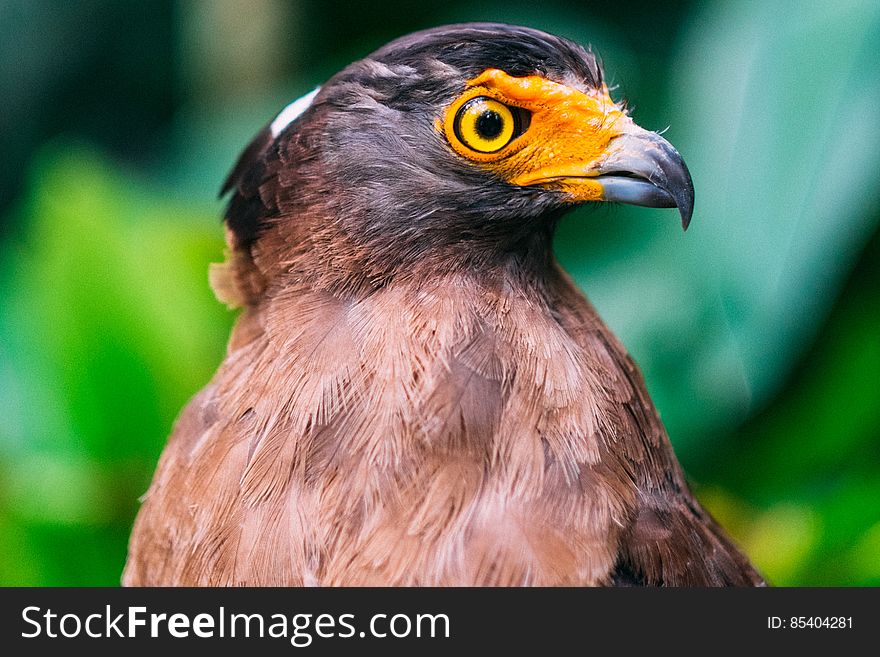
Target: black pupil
point(489, 124)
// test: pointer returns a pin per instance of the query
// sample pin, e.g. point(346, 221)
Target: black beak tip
point(685, 221)
point(686, 209)
point(682, 190)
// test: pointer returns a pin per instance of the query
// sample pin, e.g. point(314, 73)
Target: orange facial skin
point(567, 138)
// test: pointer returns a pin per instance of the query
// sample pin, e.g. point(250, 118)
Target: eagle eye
point(486, 125)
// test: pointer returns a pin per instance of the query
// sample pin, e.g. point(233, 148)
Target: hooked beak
point(636, 167)
point(642, 168)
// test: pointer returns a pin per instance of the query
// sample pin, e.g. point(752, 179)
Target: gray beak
point(644, 169)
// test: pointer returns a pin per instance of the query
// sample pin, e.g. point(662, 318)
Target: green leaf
point(108, 326)
point(776, 109)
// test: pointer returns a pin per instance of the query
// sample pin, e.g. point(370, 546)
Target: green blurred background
point(758, 330)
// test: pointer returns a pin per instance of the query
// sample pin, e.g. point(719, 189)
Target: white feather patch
point(289, 113)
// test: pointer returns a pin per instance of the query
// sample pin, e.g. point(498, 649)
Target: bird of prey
point(414, 392)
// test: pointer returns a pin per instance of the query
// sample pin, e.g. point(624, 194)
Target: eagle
point(414, 392)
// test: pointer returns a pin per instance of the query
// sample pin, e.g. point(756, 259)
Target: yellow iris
point(485, 125)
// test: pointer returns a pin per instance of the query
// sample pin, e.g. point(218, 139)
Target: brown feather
point(466, 432)
point(414, 397)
